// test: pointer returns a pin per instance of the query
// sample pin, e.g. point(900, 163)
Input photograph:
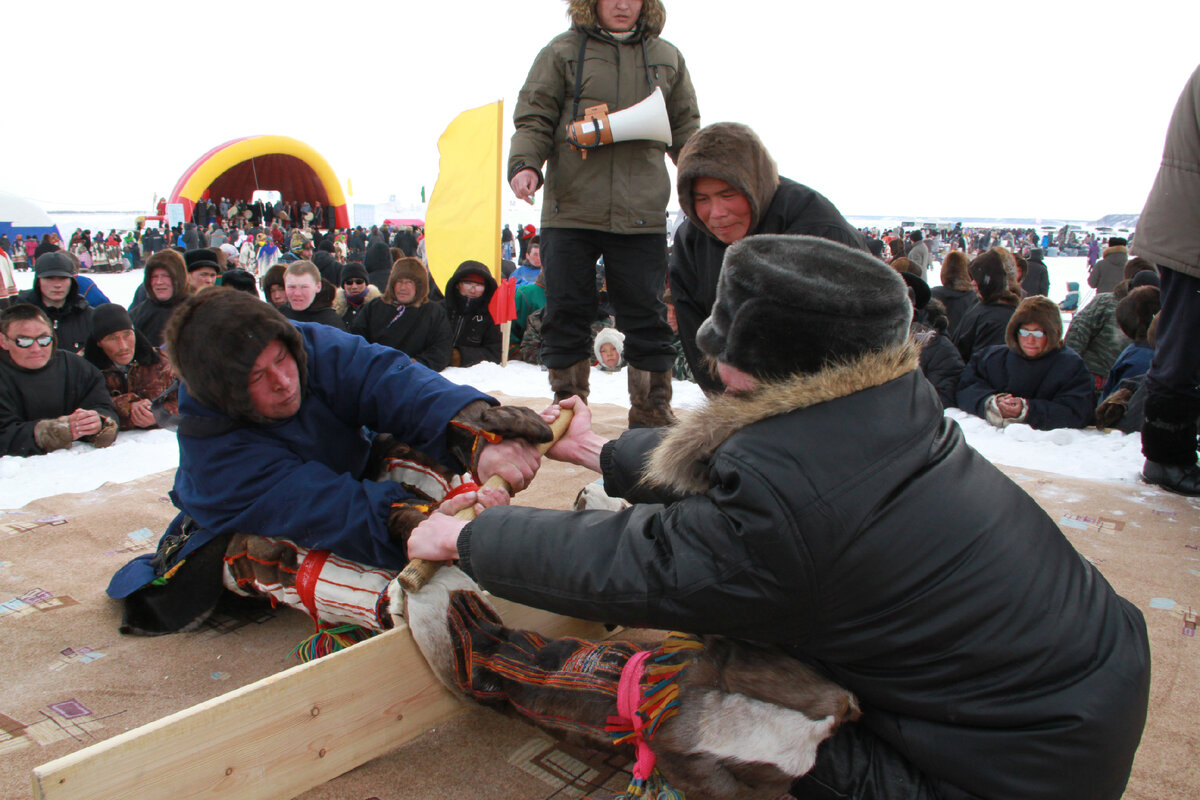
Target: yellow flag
point(463, 219)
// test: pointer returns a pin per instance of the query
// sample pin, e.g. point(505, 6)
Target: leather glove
point(1109, 413)
point(480, 422)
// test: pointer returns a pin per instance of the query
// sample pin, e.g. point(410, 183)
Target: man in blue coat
point(283, 429)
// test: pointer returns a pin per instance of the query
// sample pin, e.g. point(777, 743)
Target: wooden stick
point(418, 571)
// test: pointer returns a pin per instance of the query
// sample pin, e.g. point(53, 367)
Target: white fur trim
point(427, 611)
point(738, 727)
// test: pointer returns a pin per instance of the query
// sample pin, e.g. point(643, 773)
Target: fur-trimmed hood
point(1118, 250)
point(651, 22)
point(732, 152)
point(341, 305)
point(1041, 311)
point(176, 267)
point(680, 461)
point(414, 270)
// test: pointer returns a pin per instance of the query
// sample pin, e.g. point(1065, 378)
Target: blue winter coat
point(302, 478)
point(1057, 385)
point(1133, 362)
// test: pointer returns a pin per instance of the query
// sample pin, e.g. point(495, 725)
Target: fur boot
point(1169, 443)
point(650, 399)
point(571, 381)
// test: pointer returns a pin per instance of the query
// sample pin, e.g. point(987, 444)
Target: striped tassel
point(330, 640)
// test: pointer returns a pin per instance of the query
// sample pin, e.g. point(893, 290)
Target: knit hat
point(353, 269)
point(109, 318)
point(789, 304)
point(56, 264)
point(196, 259)
point(213, 340)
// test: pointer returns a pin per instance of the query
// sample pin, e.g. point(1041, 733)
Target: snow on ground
point(1076, 453)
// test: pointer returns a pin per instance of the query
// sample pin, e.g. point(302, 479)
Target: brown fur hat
point(731, 152)
point(583, 15)
point(213, 340)
point(993, 277)
point(414, 270)
point(795, 304)
point(954, 271)
point(1042, 311)
point(272, 277)
point(172, 261)
point(1136, 312)
point(1136, 264)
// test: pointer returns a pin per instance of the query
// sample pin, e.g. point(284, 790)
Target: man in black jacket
point(827, 507)
point(729, 188)
point(56, 293)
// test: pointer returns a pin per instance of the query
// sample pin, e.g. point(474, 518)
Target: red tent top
point(415, 223)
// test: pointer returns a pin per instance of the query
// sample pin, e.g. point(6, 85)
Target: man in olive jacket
point(829, 508)
point(611, 204)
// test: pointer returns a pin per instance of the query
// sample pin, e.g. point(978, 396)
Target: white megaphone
point(645, 120)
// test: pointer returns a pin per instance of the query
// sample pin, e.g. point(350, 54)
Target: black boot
point(650, 399)
point(571, 381)
point(1169, 443)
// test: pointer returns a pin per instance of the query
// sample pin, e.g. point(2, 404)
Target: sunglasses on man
point(354, 282)
point(26, 342)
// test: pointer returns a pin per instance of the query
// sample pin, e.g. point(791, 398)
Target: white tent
point(24, 217)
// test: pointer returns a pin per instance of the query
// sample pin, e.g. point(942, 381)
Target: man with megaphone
point(602, 104)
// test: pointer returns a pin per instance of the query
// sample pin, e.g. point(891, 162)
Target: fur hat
point(414, 270)
point(213, 340)
point(731, 152)
point(919, 292)
point(1136, 312)
point(993, 277)
point(583, 15)
point(1042, 311)
point(954, 273)
point(1117, 241)
point(272, 277)
point(203, 257)
point(789, 304)
point(109, 318)
point(239, 279)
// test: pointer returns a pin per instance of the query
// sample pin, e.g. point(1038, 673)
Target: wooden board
point(284, 734)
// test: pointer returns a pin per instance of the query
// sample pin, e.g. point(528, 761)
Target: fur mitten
point(53, 434)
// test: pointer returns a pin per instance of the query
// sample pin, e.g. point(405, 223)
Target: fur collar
point(1114, 249)
point(680, 461)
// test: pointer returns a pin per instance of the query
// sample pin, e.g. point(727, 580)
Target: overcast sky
point(1041, 109)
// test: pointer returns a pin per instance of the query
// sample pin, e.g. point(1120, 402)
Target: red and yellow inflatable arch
point(271, 163)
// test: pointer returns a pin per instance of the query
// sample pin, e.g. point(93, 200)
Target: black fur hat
point(203, 257)
point(213, 340)
point(793, 304)
point(1135, 313)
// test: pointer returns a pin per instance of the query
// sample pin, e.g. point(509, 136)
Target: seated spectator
point(531, 270)
point(940, 362)
point(682, 371)
point(135, 373)
point(994, 276)
point(609, 348)
point(1134, 315)
point(49, 398)
point(57, 294)
point(476, 337)
point(956, 292)
point(1071, 301)
point(1095, 335)
point(164, 286)
point(404, 319)
point(202, 268)
point(309, 299)
point(272, 286)
point(355, 292)
point(1032, 378)
point(530, 298)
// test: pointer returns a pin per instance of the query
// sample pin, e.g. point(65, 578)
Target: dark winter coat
point(303, 477)
point(1133, 362)
point(422, 332)
point(861, 534)
point(147, 377)
point(378, 263)
point(150, 314)
point(72, 320)
point(957, 302)
point(697, 255)
point(1057, 385)
point(982, 326)
point(473, 333)
point(940, 362)
point(1037, 276)
point(621, 187)
point(347, 310)
point(66, 383)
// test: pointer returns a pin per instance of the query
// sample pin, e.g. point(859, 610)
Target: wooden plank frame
point(286, 733)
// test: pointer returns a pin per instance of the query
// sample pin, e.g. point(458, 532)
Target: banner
point(463, 219)
point(174, 214)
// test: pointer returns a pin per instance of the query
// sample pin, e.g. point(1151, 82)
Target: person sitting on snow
point(285, 429)
point(475, 335)
point(1071, 301)
point(800, 511)
point(136, 374)
point(49, 398)
point(609, 348)
point(1032, 378)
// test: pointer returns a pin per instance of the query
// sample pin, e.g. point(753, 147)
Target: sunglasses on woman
point(26, 342)
point(1035, 334)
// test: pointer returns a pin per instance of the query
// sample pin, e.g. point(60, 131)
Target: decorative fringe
point(330, 640)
